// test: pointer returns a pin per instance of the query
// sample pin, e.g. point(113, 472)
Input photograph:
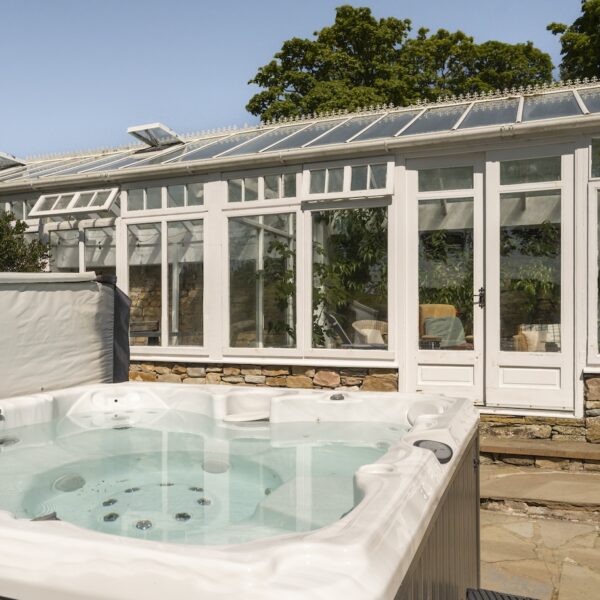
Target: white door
point(530, 279)
point(445, 267)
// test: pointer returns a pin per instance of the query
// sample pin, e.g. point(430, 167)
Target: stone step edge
point(543, 448)
point(543, 509)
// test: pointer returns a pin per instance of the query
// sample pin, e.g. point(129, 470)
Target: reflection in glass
point(305, 135)
point(289, 185)
point(530, 170)
point(550, 106)
point(234, 190)
point(484, 114)
point(389, 126)
point(175, 196)
point(317, 181)
point(350, 264)
point(250, 189)
point(530, 278)
point(436, 119)
point(64, 251)
point(265, 140)
point(143, 252)
point(186, 282)
point(100, 250)
point(153, 198)
point(342, 133)
point(446, 274)
point(262, 281)
point(135, 200)
point(271, 187)
point(335, 180)
point(447, 178)
point(195, 194)
point(595, 158)
point(358, 180)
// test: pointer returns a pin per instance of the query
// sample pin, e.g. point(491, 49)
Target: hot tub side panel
point(447, 560)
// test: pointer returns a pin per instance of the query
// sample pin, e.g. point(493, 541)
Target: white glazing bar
point(463, 116)
point(410, 123)
point(252, 139)
point(287, 137)
point(385, 114)
point(326, 132)
point(582, 106)
point(520, 109)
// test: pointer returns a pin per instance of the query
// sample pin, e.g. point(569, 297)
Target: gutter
point(571, 125)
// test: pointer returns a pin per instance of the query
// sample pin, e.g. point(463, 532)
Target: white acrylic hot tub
point(412, 534)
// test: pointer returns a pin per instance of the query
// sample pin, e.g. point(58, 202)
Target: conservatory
point(454, 243)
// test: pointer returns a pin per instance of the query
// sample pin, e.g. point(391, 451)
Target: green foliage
point(446, 271)
point(580, 42)
point(351, 265)
point(360, 61)
point(16, 253)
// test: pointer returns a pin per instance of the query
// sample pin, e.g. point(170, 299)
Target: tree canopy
point(360, 61)
point(16, 253)
point(580, 43)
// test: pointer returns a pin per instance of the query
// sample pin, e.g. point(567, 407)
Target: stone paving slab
point(550, 448)
point(547, 559)
point(564, 488)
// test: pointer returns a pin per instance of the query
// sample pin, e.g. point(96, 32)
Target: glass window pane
point(186, 282)
point(175, 196)
point(596, 158)
point(143, 251)
point(234, 190)
point(341, 134)
point(195, 194)
point(210, 150)
point(84, 199)
point(48, 202)
point(17, 209)
point(349, 296)
point(377, 177)
point(447, 178)
point(530, 278)
point(100, 199)
point(100, 250)
point(262, 281)
point(258, 144)
point(306, 135)
point(64, 251)
point(317, 181)
point(389, 126)
point(436, 119)
point(135, 200)
point(359, 178)
point(335, 180)
point(591, 99)
point(446, 274)
point(272, 186)
point(153, 198)
point(250, 189)
point(550, 106)
point(530, 170)
point(63, 201)
point(484, 114)
point(289, 185)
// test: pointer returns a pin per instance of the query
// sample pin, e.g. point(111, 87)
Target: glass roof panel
point(591, 98)
point(306, 135)
point(128, 160)
point(175, 153)
point(496, 112)
point(341, 134)
point(46, 167)
point(154, 134)
point(94, 164)
point(436, 119)
point(210, 150)
point(269, 138)
point(13, 173)
point(389, 126)
point(550, 106)
point(7, 161)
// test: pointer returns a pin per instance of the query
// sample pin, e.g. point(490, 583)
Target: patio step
point(541, 448)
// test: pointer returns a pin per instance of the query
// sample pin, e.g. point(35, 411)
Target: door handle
point(480, 298)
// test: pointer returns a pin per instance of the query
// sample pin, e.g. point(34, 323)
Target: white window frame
point(593, 352)
point(163, 184)
point(260, 175)
point(347, 166)
point(70, 209)
point(123, 278)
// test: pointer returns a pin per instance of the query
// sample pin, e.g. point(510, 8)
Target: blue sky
point(77, 73)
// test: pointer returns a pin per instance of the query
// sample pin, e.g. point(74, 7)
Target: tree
point(16, 253)
point(360, 61)
point(580, 43)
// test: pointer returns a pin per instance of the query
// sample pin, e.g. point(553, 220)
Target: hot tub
point(136, 490)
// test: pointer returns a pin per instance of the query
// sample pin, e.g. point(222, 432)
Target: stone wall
point(592, 408)
point(371, 380)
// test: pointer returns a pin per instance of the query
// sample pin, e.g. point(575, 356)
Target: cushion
point(449, 329)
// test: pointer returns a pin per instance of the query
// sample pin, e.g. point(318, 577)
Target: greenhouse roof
point(497, 111)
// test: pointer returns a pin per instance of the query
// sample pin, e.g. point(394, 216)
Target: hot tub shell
point(414, 534)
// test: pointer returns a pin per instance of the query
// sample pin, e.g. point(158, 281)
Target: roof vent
point(7, 161)
point(155, 135)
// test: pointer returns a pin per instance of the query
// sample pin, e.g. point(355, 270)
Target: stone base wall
point(371, 380)
point(592, 408)
point(562, 464)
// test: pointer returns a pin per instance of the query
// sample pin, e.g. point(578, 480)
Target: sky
point(77, 73)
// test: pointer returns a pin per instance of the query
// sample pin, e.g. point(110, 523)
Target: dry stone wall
point(371, 380)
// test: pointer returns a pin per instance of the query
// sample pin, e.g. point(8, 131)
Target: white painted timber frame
point(459, 372)
point(532, 380)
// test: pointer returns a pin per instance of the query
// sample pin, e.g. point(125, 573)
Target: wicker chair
point(371, 331)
